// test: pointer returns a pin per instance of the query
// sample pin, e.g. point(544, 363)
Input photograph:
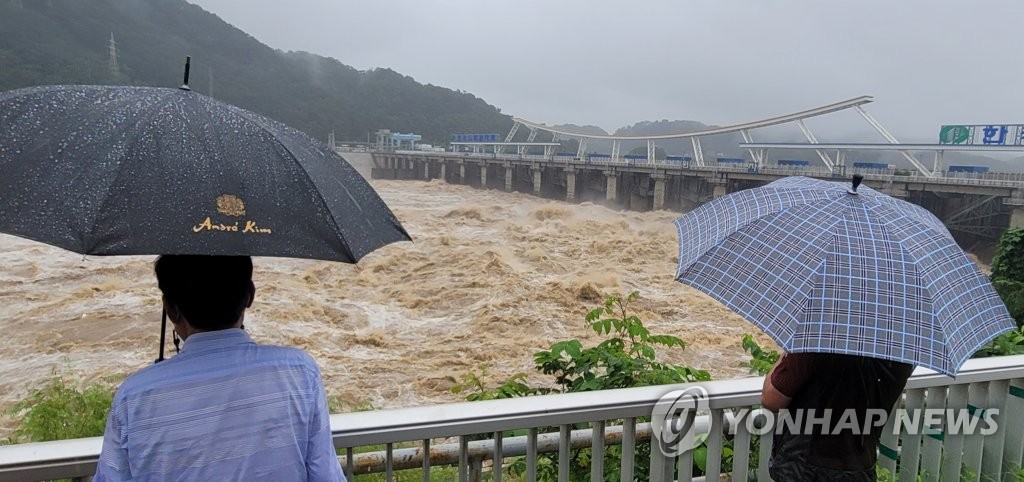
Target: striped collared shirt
point(223, 409)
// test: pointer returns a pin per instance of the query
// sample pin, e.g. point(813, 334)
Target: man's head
point(209, 292)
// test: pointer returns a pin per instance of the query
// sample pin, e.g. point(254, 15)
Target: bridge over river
point(975, 205)
point(972, 206)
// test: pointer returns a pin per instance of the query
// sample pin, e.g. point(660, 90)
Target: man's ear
point(252, 294)
point(173, 313)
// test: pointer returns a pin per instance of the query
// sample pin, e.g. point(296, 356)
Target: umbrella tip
point(188, 62)
point(857, 179)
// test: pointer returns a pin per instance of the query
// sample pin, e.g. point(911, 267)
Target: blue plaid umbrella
point(821, 267)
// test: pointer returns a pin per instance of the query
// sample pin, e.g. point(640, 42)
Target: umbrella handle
point(188, 63)
point(163, 334)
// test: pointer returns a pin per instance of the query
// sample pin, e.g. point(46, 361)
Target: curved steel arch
point(826, 109)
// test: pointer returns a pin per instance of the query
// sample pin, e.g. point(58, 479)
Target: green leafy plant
point(1009, 343)
point(475, 388)
point(1008, 272)
point(63, 410)
point(761, 360)
point(1008, 280)
point(1008, 262)
point(627, 357)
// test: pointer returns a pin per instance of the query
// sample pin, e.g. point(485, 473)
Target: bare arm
point(771, 398)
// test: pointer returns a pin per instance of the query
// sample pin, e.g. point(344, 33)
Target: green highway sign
point(954, 134)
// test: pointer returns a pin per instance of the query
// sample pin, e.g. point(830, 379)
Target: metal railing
point(450, 434)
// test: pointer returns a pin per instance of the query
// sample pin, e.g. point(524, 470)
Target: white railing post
point(426, 460)
point(910, 443)
point(713, 467)
point(889, 442)
point(767, 441)
point(389, 463)
point(497, 459)
point(349, 463)
point(931, 443)
point(953, 444)
point(1012, 425)
point(597, 452)
point(628, 449)
point(977, 402)
point(531, 455)
point(563, 453)
point(684, 461)
point(992, 455)
point(741, 450)
point(661, 466)
point(463, 458)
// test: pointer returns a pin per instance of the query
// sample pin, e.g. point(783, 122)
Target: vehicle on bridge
point(474, 138)
point(634, 159)
point(967, 170)
point(566, 156)
point(793, 163)
point(873, 166)
point(681, 160)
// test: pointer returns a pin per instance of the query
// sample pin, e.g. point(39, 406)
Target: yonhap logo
point(673, 420)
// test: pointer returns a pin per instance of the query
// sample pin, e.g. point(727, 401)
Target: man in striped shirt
point(224, 408)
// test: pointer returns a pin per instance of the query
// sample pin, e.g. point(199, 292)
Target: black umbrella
point(117, 170)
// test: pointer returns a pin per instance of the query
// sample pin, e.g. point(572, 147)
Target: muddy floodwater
point(490, 278)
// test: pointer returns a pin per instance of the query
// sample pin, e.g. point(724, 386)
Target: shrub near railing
point(62, 409)
point(626, 358)
point(1008, 280)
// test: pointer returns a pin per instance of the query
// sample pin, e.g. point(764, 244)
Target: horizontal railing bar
point(448, 453)
point(365, 428)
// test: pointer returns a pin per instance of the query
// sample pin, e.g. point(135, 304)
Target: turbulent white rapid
point(490, 278)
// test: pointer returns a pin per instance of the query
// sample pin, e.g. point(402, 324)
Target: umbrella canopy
point(821, 267)
point(111, 170)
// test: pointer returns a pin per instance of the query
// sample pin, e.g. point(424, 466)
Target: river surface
point(490, 278)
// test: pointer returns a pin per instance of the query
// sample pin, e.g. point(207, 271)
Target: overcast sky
point(611, 64)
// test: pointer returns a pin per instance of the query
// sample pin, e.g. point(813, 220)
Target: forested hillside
point(67, 42)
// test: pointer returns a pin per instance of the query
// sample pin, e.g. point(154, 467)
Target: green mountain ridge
point(67, 42)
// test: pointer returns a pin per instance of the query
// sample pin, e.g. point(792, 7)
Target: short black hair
point(211, 292)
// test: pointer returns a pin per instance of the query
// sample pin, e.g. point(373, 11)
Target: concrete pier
point(1017, 217)
point(536, 171)
point(659, 190)
point(483, 175)
point(611, 186)
point(570, 184)
point(508, 178)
